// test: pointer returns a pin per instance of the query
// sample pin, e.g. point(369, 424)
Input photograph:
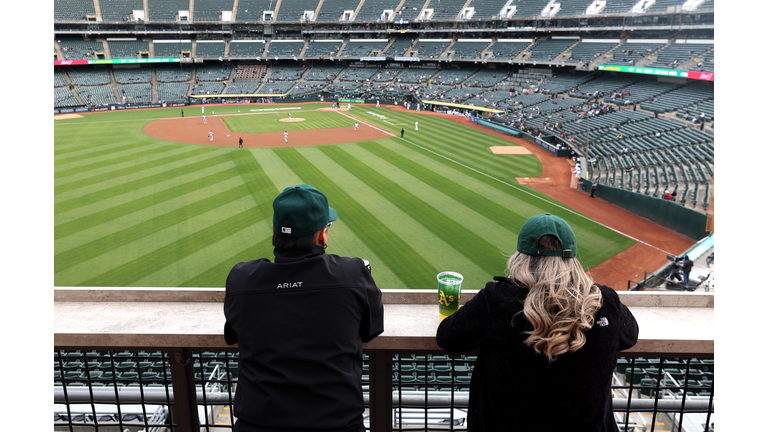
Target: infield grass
point(132, 210)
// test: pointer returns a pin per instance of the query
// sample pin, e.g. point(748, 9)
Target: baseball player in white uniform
point(417, 125)
point(289, 116)
point(205, 120)
point(377, 103)
point(285, 135)
point(210, 135)
point(203, 107)
point(356, 126)
point(349, 106)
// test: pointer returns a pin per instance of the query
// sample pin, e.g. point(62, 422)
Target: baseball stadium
point(436, 128)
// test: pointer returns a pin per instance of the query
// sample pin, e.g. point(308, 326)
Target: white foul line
point(511, 185)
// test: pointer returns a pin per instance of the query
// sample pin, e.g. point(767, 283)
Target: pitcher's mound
point(297, 119)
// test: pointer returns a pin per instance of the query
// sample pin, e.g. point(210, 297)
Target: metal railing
point(185, 389)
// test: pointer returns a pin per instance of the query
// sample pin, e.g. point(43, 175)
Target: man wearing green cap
point(300, 323)
point(547, 337)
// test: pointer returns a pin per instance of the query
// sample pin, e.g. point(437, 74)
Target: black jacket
point(300, 323)
point(515, 389)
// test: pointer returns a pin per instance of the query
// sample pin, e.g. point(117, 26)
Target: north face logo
point(602, 322)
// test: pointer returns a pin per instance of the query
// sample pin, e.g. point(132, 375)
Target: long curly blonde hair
point(562, 301)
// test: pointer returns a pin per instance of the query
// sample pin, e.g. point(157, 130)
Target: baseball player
point(417, 107)
point(289, 116)
point(285, 135)
point(210, 135)
point(205, 120)
point(241, 142)
point(349, 106)
point(417, 125)
point(377, 103)
point(203, 107)
point(356, 126)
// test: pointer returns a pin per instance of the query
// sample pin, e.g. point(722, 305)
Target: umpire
point(300, 323)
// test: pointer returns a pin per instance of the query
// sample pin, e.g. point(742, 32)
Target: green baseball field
point(135, 210)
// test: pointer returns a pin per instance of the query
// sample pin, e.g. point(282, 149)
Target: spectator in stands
point(687, 267)
point(304, 373)
point(546, 323)
point(667, 195)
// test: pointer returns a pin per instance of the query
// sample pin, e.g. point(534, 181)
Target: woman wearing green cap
point(547, 337)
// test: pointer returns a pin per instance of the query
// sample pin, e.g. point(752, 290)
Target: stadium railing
point(157, 359)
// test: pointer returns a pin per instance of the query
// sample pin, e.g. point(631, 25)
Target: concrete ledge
point(670, 323)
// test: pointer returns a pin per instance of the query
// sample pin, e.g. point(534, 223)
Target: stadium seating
point(323, 72)
point(72, 10)
point(210, 10)
point(249, 49)
point(172, 92)
point(252, 10)
point(210, 49)
point(76, 48)
point(454, 76)
point(324, 49)
point(674, 55)
point(631, 53)
point(468, 49)
point(132, 75)
point(587, 52)
point(548, 49)
point(243, 87)
point(89, 77)
point(213, 72)
point(173, 73)
point(399, 47)
point(371, 10)
point(642, 91)
point(63, 97)
point(447, 10)
point(118, 10)
point(250, 72)
point(287, 72)
point(141, 93)
point(58, 78)
point(573, 7)
point(487, 9)
point(305, 87)
point(171, 49)
point(208, 88)
point(126, 49)
point(364, 48)
point(691, 94)
point(165, 10)
point(293, 10)
point(97, 95)
point(487, 78)
point(285, 49)
point(429, 49)
point(353, 74)
point(332, 11)
point(417, 75)
point(507, 49)
point(276, 87)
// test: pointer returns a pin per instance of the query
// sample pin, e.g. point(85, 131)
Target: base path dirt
point(192, 130)
point(653, 241)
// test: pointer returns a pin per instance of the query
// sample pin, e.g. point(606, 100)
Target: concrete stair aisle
point(113, 83)
point(72, 86)
point(525, 53)
point(482, 55)
point(191, 10)
point(359, 5)
point(343, 47)
point(107, 53)
point(58, 49)
point(234, 11)
point(563, 56)
point(146, 10)
point(152, 49)
point(154, 85)
point(97, 9)
point(317, 10)
point(423, 8)
point(276, 10)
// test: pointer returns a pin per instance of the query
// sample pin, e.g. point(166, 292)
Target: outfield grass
point(132, 210)
point(270, 122)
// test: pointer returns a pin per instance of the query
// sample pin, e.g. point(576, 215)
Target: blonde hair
point(561, 303)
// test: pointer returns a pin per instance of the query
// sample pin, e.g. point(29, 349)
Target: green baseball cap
point(546, 224)
point(301, 210)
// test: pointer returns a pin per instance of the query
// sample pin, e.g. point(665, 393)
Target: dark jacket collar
point(284, 256)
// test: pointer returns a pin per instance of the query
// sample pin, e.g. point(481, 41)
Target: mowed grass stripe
point(457, 202)
point(441, 177)
point(143, 212)
point(201, 261)
point(133, 260)
point(181, 242)
point(345, 193)
point(105, 153)
point(160, 222)
point(342, 237)
point(102, 173)
point(89, 194)
point(474, 247)
point(216, 274)
point(90, 216)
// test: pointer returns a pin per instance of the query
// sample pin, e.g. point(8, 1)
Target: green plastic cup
point(449, 291)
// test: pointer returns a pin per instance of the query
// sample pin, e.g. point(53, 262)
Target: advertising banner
point(115, 61)
point(706, 76)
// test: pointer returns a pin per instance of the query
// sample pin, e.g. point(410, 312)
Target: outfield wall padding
point(666, 213)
